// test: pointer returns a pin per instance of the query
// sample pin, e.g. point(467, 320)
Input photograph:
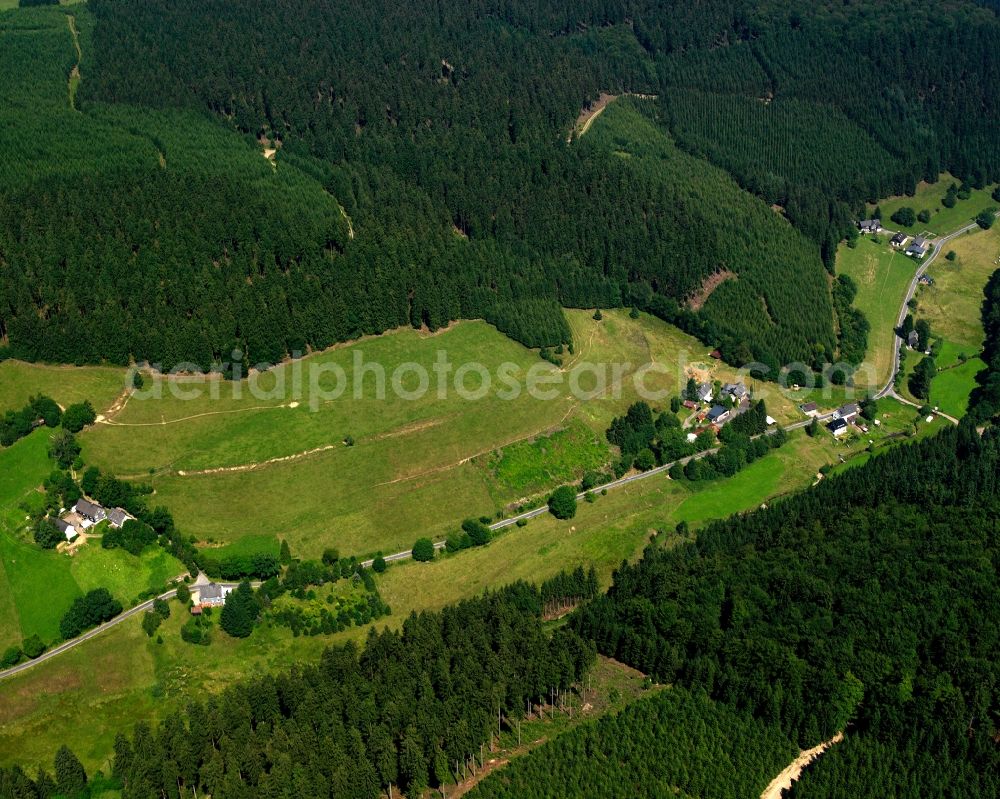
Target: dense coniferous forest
point(868, 603)
point(674, 743)
point(985, 400)
point(423, 172)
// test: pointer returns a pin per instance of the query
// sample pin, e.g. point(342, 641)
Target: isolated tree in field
point(71, 779)
point(423, 550)
point(598, 316)
point(675, 404)
point(562, 503)
point(920, 380)
point(239, 614)
point(285, 555)
point(32, 646)
point(183, 593)
point(63, 448)
point(151, 622)
point(924, 216)
point(905, 216)
point(379, 565)
point(986, 218)
point(952, 255)
point(161, 608)
point(78, 416)
point(10, 657)
point(331, 556)
point(812, 428)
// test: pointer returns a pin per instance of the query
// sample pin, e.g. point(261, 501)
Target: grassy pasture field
point(108, 684)
point(953, 304)
point(415, 464)
point(65, 384)
point(928, 197)
point(882, 275)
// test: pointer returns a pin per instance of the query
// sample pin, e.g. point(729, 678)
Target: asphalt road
point(937, 246)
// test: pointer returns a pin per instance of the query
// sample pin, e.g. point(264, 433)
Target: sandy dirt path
point(793, 770)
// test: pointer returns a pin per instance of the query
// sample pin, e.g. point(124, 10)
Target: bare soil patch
point(708, 285)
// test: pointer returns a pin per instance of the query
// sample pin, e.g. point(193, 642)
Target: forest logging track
point(74, 73)
point(794, 770)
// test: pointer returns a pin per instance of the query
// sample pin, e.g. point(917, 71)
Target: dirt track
point(793, 770)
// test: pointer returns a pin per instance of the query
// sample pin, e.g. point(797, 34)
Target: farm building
point(117, 517)
point(735, 390)
point(838, 427)
point(898, 240)
point(718, 414)
point(913, 339)
point(211, 595)
point(848, 412)
point(65, 528)
point(809, 408)
point(870, 225)
point(91, 511)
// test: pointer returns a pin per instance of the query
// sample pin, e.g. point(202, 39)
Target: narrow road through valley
point(888, 390)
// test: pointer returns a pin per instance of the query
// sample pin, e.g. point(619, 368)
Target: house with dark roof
point(898, 240)
point(718, 414)
point(91, 511)
point(918, 249)
point(870, 225)
point(65, 528)
point(809, 408)
point(848, 412)
point(117, 517)
point(838, 427)
point(913, 339)
point(735, 390)
point(705, 392)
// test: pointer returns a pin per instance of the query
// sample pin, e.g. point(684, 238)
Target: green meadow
point(239, 465)
point(65, 384)
point(882, 276)
point(928, 197)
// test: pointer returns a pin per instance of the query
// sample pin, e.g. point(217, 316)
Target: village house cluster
point(917, 247)
point(86, 514)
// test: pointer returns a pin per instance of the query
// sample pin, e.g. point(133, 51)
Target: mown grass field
point(65, 384)
point(953, 304)
point(108, 684)
point(928, 197)
point(415, 464)
point(38, 586)
point(882, 276)
point(951, 388)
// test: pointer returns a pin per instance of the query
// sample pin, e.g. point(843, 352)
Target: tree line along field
point(110, 681)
